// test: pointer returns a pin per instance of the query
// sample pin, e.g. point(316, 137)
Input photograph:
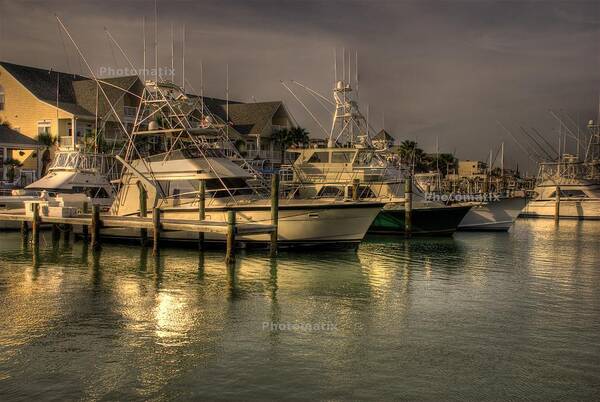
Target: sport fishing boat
point(71, 172)
point(171, 181)
point(494, 215)
point(330, 173)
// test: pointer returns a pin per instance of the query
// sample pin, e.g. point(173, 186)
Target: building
point(71, 108)
point(252, 125)
point(469, 168)
point(67, 107)
point(14, 146)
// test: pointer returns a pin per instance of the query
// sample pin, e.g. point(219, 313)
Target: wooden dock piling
point(24, 230)
point(143, 212)
point(201, 212)
point(95, 227)
point(35, 224)
point(408, 206)
point(557, 205)
point(274, 212)
point(230, 253)
point(156, 230)
point(84, 229)
point(355, 188)
point(55, 232)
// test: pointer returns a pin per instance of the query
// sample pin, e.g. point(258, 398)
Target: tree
point(11, 165)
point(286, 138)
point(48, 141)
point(412, 155)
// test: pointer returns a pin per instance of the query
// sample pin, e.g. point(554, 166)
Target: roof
point(251, 118)
point(13, 137)
point(42, 83)
point(383, 135)
point(76, 93)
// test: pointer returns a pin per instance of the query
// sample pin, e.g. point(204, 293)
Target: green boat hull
point(425, 221)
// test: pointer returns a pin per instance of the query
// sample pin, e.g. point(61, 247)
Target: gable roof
point(383, 135)
point(250, 118)
point(75, 94)
point(13, 137)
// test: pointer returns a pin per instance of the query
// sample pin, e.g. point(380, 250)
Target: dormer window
point(1, 98)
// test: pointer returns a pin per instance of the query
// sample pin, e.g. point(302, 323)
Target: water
point(480, 316)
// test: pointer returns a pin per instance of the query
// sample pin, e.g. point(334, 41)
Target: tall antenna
point(227, 101)
point(356, 72)
point(502, 159)
point(144, 40)
point(334, 66)
point(202, 85)
point(156, 40)
point(183, 61)
point(172, 55)
point(344, 64)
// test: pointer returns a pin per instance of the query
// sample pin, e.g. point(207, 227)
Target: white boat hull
point(318, 225)
point(493, 216)
point(587, 209)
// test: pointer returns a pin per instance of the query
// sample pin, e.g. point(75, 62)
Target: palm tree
point(285, 138)
point(48, 141)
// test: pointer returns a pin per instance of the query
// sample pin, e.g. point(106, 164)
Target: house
point(382, 140)
point(470, 168)
point(15, 146)
point(68, 107)
point(253, 125)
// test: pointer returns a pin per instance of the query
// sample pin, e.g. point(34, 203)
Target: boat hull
point(493, 216)
point(299, 225)
point(586, 209)
point(425, 221)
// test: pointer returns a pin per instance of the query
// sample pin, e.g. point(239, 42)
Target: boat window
point(319, 157)
point(236, 186)
point(573, 193)
point(363, 192)
point(342, 157)
point(330, 191)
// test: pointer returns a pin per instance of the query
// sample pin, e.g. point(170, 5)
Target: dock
point(156, 224)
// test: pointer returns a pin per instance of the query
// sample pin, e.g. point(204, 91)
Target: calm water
point(479, 316)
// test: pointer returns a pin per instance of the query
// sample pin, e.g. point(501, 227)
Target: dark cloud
point(444, 69)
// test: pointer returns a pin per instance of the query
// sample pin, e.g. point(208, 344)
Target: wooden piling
point(55, 232)
point(274, 212)
point(408, 206)
point(143, 212)
point(557, 205)
point(67, 229)
point(85, 229)
point(24, 230)
point(95, 227)
point(35, 225)
point(355, 189)
point(201, 211)
point(230, 253)
point(156, 230)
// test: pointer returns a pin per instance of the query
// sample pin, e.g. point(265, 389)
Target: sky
point(429, 71)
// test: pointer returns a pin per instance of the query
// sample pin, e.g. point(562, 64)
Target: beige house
point(68, 107)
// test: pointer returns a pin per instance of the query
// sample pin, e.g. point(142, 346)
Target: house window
point(43, 128)
point(1, 98)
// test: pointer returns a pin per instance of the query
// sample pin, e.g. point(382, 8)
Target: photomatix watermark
point(457, 197)
point(163, 72)
point(299, 327)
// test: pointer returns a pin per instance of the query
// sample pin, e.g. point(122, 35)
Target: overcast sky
point(446, 69)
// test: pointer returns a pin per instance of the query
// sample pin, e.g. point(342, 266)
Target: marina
point(309, 201)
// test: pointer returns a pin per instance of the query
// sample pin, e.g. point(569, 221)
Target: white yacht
point(172, 185)
point(565, 183)
point(71, 172)
point(171, 179)
point(493, 215)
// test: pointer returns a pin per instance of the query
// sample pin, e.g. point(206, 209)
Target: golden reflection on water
point(155, 319)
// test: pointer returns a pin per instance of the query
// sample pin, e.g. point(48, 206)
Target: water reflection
point(184, 323)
